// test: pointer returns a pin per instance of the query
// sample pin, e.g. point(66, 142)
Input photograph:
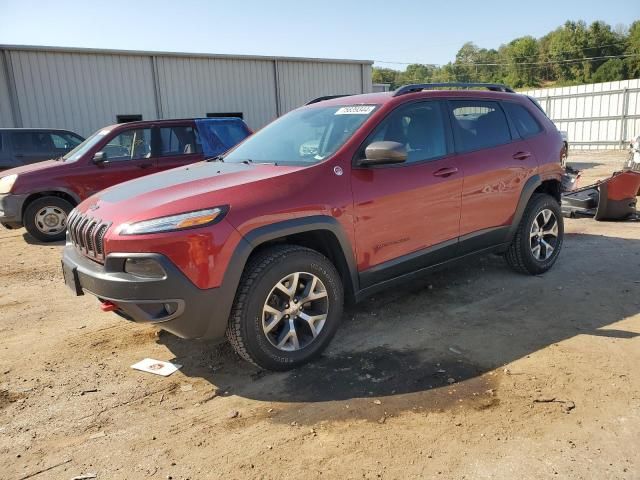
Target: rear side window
point(178, 140)
point(32, 142)
point(526, 125)
point(478, 124)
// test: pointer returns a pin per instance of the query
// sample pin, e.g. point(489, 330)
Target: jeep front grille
point(87, 234)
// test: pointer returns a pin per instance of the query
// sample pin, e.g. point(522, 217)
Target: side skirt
point(419, 264)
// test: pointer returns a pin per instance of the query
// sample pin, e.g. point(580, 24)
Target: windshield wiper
point(248, 161)
point(217, 158)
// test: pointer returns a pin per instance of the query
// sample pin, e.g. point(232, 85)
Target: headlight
point(181, 221)
point(6, 183)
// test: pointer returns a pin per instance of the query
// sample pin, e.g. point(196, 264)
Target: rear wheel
point(287, 308)
point(538, 239)
point(46, 218)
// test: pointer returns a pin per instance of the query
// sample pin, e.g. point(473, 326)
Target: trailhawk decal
point(356, 110)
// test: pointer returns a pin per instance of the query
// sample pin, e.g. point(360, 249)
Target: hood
point(33, 167)
point(199, 185)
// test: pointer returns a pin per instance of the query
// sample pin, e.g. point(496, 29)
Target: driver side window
point(419, 127)
point(129, 145)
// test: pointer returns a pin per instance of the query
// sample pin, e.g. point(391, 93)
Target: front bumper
point(11, 210)
point(173, 302)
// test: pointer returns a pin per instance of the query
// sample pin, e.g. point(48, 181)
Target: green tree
point(602, 41)
point(446, 73)
point(474, 64)
point(632, 63)
point(418, 73)
point(609, 71)
point(571, 54)
point(521, 55)
point(566, 44)
point(384, 75)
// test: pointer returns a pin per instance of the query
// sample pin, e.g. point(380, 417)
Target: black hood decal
point(159, 181)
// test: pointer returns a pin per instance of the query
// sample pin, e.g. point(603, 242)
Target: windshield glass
point(304, 136)
point(85, 146)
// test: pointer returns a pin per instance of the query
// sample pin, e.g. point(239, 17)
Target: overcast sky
point(394, 31)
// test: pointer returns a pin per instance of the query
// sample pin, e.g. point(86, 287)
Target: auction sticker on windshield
point(356, 110)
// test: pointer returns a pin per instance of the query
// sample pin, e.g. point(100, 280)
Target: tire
point(522, 254)
point(41, 225)
point(261, 292)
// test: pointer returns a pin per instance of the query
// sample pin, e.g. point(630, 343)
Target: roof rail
point(418, 87)
point(327, 97)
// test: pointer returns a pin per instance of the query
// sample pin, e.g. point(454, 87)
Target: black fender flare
point(525, 195)
point(273, 231)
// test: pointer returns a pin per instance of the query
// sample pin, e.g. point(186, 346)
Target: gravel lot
point(477, 372)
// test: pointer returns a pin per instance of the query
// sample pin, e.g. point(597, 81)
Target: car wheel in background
point(46, 218)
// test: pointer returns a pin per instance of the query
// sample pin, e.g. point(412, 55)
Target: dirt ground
point(545, 372)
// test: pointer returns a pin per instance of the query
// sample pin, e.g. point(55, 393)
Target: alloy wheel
point(295, 311)
point(544, 235)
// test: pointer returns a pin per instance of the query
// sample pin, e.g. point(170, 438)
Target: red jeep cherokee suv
point(340, 198)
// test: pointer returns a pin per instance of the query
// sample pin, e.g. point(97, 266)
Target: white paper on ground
point(157, 367)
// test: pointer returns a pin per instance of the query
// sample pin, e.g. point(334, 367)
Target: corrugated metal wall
point(302, 81)
point(6, 115)
point(78, 91)
point(197, 86)
point(83, 90)
point(595, 116)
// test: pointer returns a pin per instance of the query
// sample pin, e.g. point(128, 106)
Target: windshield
point(85, 146)
point(304, 136)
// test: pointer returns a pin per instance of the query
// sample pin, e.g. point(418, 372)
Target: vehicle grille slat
point(87, 233)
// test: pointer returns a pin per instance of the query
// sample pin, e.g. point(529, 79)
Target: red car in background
point(40, 196)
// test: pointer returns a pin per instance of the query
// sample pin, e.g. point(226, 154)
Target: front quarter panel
point(56, 178)
point(202, 254)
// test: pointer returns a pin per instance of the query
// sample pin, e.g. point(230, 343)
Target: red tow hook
point(107, 306)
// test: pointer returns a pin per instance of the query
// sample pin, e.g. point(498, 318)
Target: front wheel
point(46, 218)
point(538, 239)
point(287, 308)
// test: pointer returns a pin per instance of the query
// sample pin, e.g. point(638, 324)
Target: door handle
point(445, 172)
point(19, 155)
point(521, 155)
point(145, 165)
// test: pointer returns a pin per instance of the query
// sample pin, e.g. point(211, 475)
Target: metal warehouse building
point(86, 89)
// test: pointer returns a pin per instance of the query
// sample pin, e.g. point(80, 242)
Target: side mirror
point(99, 157)
point(384, 153)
